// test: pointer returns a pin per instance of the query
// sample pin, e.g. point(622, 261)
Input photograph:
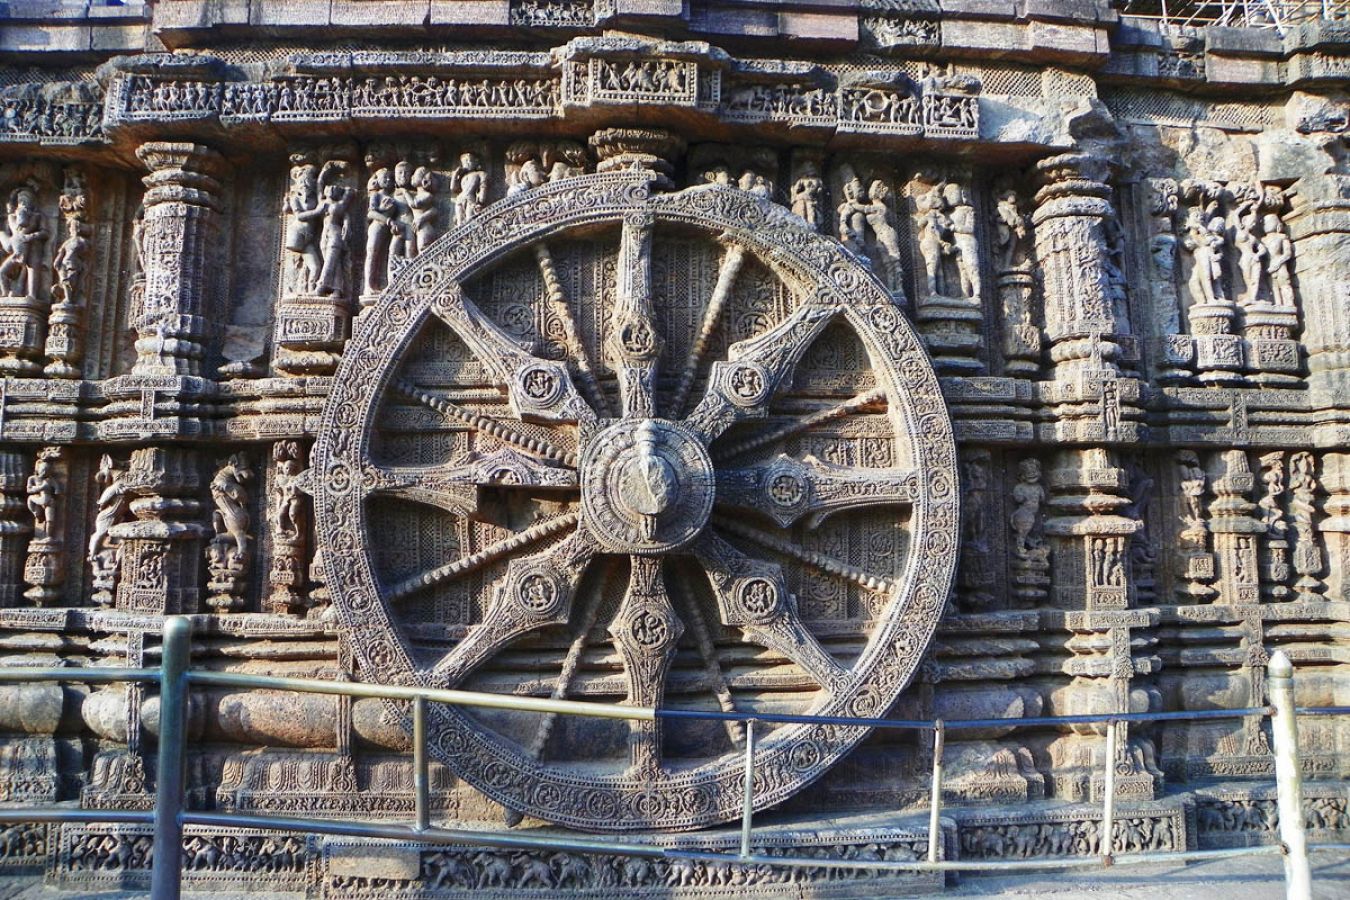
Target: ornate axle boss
point(669, 485)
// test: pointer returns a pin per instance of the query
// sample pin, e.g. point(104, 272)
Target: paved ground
point(1249, 878)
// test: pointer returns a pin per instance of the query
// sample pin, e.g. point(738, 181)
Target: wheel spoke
point(496, 428)
point(488, 555)
point(646, 631)
point(455, 487)
point(576, 350)
point(571, 662)
point(752, 595)
point(536, 591)
point(741, 386)
point(540, 390)
point(788, 490)
point(862, 401)
point(827, 564)
point(712, 667)
point(634, 345)
point(730, 267)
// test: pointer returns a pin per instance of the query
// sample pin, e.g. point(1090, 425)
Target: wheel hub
point(646, 486)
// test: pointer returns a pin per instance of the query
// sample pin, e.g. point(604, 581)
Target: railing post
point(1288, 778)
point(748, 798)
point(167, 856)
point(935, 793)
point(421, 780)
point(1108, 839)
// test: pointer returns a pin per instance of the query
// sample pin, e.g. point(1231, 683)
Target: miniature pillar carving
point(161, 548)
point(1083, 320)
point(1320, 228)
point(1235, 530)
point(15, 526)
point(176, 242)
point(1335, 526)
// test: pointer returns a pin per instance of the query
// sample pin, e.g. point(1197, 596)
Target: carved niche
point(526, 460)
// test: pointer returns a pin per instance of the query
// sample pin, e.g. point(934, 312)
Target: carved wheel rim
point(646, 483)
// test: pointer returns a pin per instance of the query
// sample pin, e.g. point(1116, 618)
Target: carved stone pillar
point(15, 526)
point(1083, 322)
point(1335, 527)
point(1235, 530)
point(1320, 228)
point(1093, 594)
point(161, 549)
point(177, 239)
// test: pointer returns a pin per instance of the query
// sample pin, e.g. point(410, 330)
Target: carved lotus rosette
point(618, 480)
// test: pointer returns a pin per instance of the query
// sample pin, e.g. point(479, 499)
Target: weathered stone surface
point(895, 357)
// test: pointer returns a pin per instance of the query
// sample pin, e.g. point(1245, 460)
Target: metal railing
point(176, 678)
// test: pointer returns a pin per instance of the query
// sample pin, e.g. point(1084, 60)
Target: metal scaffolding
point(1277, 14)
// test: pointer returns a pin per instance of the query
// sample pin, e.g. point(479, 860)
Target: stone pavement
point(1249, 878)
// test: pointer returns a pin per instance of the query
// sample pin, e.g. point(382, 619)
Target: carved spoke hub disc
point(672, 450)
point(646, 486)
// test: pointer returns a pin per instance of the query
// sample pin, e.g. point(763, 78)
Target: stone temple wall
point(923, 358)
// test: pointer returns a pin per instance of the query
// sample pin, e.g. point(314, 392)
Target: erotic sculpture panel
point(672, 450)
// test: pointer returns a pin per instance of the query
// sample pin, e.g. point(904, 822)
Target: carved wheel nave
point(670, 449)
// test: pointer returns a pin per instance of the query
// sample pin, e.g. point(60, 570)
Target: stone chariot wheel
point(667, 449)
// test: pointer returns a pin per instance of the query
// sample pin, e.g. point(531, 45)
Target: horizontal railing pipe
point(436, 695)
point(101, 675)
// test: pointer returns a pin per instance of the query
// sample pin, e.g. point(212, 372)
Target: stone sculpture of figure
point(426, 215)
point(566, 159)
point(1206, 245)
point(1028, 494)
point(529, 176)
point(880, 217)
point(229, 490)
point(113, 503)
point(138, 239)
point(1011, 229)
point(935, 233)
point(1163, 249)
point(962, 221)
point(22, 242)
point(1272, 480)
point(69, 262)
point(807, 193)
point(754, 183)
point(718, 175)
point(335, 207)
point(403, 240)
point(302, 232)
point(853, 215)
point(381, 226)
point(43, 489)
point(1279, 256)
point(1251, 254)
point(1192, 480)
point(469, 182)
point(289, 517)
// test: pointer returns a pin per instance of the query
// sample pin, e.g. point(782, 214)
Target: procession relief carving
point(640, 371)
